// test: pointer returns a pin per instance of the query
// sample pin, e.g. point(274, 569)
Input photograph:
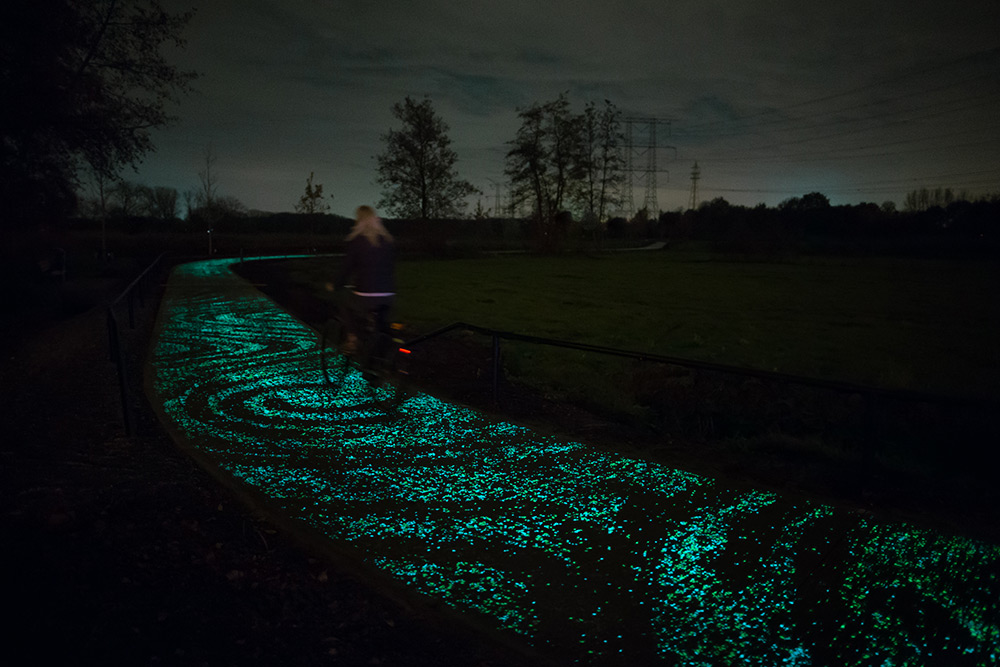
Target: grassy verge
point(922, 325)
point(910, 324)
point(926, 325)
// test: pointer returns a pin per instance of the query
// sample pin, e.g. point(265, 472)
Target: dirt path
point(122, 551)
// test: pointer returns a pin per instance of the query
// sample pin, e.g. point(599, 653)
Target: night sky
point(859, 100)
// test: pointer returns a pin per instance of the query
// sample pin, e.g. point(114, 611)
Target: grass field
point(929, 326)
point(926, 325)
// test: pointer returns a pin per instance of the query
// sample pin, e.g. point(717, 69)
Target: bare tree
point(84, 84)
point(925, 198)
point(417, 169)
point(207, 210)
point(228, 206)
point(101, 185)
point(312, 205)
point(161, 202)
point(546, 159)
point(190, 202)
point(311, 202)
point(603, 162)
point(129, 198)
point(205, 197)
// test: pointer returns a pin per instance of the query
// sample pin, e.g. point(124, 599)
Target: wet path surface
point(587, 556)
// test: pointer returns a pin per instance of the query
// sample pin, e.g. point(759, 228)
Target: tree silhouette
point(162, 202)
point(546, 159)
point(84, 83)
point(311, 202)
point(417, 168)
point(312, 205)
point(206, 196)
point(604, 163)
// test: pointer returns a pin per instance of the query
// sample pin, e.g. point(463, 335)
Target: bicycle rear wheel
point(333, 362)
point(388, 383)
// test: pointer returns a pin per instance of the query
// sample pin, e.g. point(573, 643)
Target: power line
point(881, 84)
point(695, 175)
point(813, 156)
point(641, 149)
point(932, 111)
point(885, 131)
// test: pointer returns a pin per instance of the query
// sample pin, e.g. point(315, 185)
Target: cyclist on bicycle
point(369, 268)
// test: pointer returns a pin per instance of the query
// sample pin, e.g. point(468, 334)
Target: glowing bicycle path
point(589, 557)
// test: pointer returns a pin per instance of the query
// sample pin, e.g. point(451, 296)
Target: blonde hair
point(369, 225)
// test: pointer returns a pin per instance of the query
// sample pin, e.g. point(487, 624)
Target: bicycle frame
point(377, 354)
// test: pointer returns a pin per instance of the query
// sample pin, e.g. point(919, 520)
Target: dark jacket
point(369, 268)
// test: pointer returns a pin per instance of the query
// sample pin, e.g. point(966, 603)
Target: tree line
point(558, 161)
point(810, 222)
point(86, 84)
point(568, 168)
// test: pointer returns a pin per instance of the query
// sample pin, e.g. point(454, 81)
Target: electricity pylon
point(695, 175)
point(641, 149)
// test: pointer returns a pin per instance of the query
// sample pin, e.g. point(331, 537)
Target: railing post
point(772, 376)
point(118, 359)
point(496, 368)
point(134, 291)
point(112, 334)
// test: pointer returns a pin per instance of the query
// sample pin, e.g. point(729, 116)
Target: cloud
point(302, 84)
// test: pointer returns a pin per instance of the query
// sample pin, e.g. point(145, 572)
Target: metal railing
point(135, 294)
point(839, 386)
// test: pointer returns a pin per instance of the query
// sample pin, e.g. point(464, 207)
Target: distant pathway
point(588, 556)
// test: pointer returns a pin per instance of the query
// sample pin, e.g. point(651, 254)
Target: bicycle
point(377, 365)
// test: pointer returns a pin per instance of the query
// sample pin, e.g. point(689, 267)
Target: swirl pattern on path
point(597, 557)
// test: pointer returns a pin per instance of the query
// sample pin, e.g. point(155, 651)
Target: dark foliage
point(83, 84)
point(811, 225)
point(417, 168)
